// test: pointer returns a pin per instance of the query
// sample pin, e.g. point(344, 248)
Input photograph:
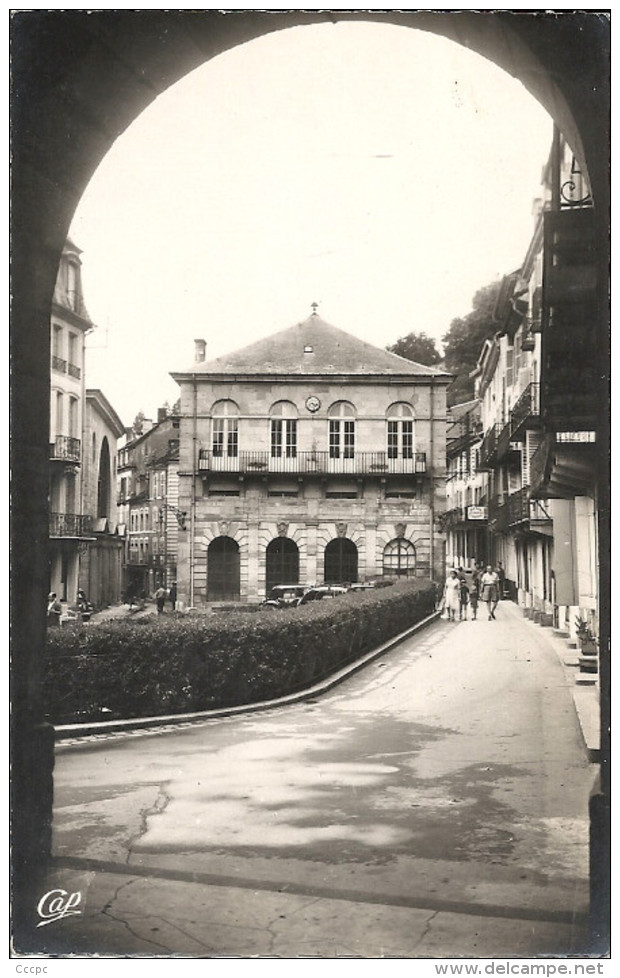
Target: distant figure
point(464, 599)
point(54, 609)
point(501, 578)
point(160, 598)
point(489, 584)
point(452, 595)
point(172, 594)
point(473, 599)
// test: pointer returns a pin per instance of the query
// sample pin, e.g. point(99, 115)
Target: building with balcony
point(536, 382)
point(70, 529)
point(147, 500)
point(465, 521)
point(309, 456)
point(101, 563)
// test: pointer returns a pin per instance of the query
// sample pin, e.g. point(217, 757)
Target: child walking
point(473, 599)
point(464, 601)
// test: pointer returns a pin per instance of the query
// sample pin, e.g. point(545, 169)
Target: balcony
point(71, 525)
point(311, 463)
point(499, 515)
point(59, 364)
point(526, 411)
point(562, 468)
point(570, 376)
point(504, 446)
point(65, 449)
point(488, 450)
point(527, 513)
point(74, 371)
point(452, 517)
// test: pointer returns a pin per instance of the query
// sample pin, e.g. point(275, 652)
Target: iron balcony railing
point(488, 449)
point(307, 463)
point(504, 446)
point(452, 517)
point(65, 449)
point(59, 364)
point(526, 410)
point(70, 525)
point(498, 515)
point(74, 371)
point(522, 509)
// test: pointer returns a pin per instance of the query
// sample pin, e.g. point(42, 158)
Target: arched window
point(341, 430)
point(94, 446)
point(225, 428)
point(282, 562)
point(103, 480)
point(400, 431)
point(283, 416)
point(223, 570)
point(340, 561)
point(399, 559)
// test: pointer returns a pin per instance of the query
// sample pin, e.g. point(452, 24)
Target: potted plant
point(586, 637)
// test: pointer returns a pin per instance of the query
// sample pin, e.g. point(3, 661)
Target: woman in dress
point(452, 595)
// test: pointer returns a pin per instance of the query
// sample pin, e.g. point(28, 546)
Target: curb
point(585, 698)
point(72, 730)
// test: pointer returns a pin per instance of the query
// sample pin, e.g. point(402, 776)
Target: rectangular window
point(334, 439)
point(407, 439)
point(392, 445)
point(218, 437)
point(276, 439)
point(291, 439)
point(233, 438)
point(349, 439)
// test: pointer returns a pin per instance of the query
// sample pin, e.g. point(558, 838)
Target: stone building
point(309, 456)
point(147, 499)
point(101, 563)
point(69, 529)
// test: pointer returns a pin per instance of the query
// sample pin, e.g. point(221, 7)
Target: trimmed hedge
point(180, 663)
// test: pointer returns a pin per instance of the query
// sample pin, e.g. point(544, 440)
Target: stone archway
point(79, 79)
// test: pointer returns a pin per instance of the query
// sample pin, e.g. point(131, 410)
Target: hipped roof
point(333, 352)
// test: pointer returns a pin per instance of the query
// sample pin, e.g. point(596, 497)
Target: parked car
point(284, 596)
point(322, 591)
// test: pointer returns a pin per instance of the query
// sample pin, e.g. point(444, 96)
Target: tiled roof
point(312, 347)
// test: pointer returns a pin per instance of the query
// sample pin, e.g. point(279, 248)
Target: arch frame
point(79, 79)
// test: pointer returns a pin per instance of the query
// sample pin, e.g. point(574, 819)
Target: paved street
point(434, 804)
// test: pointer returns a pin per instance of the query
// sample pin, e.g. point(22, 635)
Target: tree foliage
point(138, 424)
point(463, 342)
point(417, 347)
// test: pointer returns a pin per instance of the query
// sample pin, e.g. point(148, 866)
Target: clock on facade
point(313, 404)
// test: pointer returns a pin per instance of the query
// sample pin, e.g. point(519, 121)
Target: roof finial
point(314, 308)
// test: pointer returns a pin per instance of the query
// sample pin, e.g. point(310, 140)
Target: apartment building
point(100, 572)
point(147, 482)
point(465, 522)
point(309, 456)
point(536, 383)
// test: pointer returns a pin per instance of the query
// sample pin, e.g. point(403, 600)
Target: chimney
point(200, 350)
point(162, 414)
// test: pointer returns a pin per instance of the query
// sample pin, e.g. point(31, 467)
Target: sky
point(384, 173)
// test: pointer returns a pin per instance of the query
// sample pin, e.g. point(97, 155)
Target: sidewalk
point(177, 903)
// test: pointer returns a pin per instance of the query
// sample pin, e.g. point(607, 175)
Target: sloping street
point(433, 804)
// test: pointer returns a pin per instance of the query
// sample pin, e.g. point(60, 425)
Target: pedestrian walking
point(452, 595)
point(473, 599)
point(464, 599)
point(501, 579)
point(160, 598)
point(489, 585)
point(172, 594)
point(54, 609)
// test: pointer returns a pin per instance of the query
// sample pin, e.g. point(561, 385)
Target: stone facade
point(314, 455)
